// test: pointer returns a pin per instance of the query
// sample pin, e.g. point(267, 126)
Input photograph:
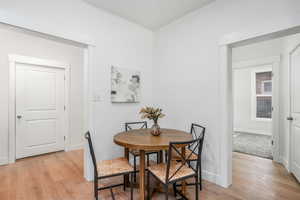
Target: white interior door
point(295, 112)
point(40, 98)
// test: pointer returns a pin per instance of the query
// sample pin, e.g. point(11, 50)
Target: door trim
point(18, 59)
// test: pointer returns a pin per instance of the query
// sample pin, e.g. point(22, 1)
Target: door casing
point(13, 60)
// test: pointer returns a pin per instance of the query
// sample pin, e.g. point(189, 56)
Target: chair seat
point(193, 157)
point(137, 152)
point(159, 171)
point(151, 162)
point(114, 167)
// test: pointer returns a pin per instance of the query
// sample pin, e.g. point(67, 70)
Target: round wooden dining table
point(142, 140)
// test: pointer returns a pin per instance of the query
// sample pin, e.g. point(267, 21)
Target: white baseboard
point(3, 160)
point(251, 131)
point(284, 162)
point(76, 147)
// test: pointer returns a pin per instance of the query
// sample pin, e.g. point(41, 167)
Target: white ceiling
point(151, 14)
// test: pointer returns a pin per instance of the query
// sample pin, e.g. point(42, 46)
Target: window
point(266, 87)
point(263, 95)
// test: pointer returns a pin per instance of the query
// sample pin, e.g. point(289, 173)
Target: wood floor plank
point(59, 176)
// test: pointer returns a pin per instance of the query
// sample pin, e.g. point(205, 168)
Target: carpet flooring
point(253, 144)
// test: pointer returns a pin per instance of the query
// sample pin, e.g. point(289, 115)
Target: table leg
point(160, 156)
point(142, 175)
point(126, 177)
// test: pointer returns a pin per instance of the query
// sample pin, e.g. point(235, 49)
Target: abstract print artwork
point(125, 85)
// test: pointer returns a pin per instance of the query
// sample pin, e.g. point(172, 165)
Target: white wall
point(18, 42)
point(243, 121)
point(115, 42)
point(257, 50)
point(242, 100)
point(187, 64)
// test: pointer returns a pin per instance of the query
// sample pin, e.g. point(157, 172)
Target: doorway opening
point(265, 102)
point(255, 84)
point(42, 82)
point(266, 92)
point(288, 153)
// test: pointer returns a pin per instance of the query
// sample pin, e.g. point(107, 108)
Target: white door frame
point(275, 62)
point(17, 59)
point(226, 93)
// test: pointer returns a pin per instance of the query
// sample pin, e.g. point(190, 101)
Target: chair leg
point(197, 187)
point(134, 168)
point(131, 186)
point(175, 189)
point(124, 183)
point(157, 158)
point(112, 194)
point(200, 176)
point(96, 187)
point(166, 192)
point(148, 185)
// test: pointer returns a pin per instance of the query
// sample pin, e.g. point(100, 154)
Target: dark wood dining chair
point(107, 169)
point(173, 171)
point(197, 131)
point(135, 153)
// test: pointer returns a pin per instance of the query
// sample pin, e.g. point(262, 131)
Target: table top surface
point(142, 139)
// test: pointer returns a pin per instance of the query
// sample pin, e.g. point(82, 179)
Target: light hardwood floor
point(59, 176)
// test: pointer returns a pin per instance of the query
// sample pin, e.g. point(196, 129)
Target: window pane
point(264, 107)
point(264, 83)
point(267, 87)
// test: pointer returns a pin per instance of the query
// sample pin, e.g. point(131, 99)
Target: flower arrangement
point(153, 114)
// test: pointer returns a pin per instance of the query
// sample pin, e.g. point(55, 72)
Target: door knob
point(290, 118)
point(19, 116)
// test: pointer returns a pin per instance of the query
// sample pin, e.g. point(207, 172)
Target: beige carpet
point(253, 144)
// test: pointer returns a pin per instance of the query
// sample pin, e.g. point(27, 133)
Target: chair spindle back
point(198, 131)
point(176, 146)
point(135, 125)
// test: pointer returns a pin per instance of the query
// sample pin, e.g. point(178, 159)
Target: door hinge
point(64, 107)
point(64, 138)
point(272, 142)
point(64, 77)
